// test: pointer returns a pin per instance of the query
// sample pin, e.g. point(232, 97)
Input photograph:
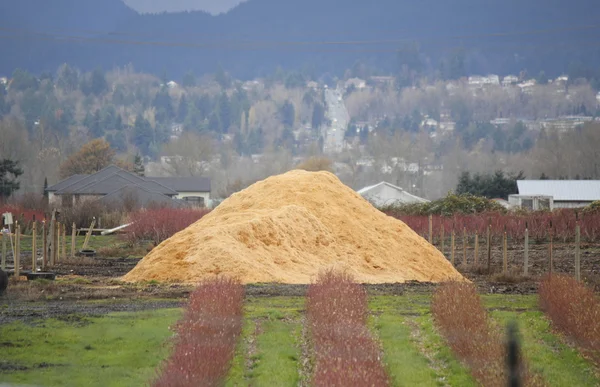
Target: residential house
point(384, 194)
point(113, 185)
point(480, 81)
point(357, 83)
point(510, 80)
point(564, 193)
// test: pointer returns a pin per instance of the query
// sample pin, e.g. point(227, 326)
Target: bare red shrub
point(573, 309)
point(206, 336)
point(159, 224)
point(462, 320)
point(345, 352)
point(562, 221)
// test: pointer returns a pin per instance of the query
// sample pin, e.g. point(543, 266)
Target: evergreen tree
point(288, 114)
point(138, 166)
point(143, 135)
point(9, 177)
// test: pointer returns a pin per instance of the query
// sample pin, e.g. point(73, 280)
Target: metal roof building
point(565, 193)
point(384, 194)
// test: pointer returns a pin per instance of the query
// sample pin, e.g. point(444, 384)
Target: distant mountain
point(500, 36)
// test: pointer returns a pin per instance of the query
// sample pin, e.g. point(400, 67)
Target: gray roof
point(110, 179)
point(65, 183)
point(562, 190)
point(184, 184)
point(144, 198)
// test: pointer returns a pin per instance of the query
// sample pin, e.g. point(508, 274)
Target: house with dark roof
point(116, 186)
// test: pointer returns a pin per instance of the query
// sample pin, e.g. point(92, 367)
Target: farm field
point(88, 328)
point(92, 343)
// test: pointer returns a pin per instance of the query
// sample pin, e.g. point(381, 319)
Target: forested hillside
point(453, 37)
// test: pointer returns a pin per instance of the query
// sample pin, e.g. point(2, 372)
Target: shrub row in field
point(462, 320)
point(206, 336)
point(563, 224)
point(156, 225)
point(573, 309)
point(345, 352)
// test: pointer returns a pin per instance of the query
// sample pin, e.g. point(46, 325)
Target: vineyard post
point(577, 249)
point(58, 241)
point(44, 246)
point(73, 240)
point(430, 229)
point(34, 247)
point(443, 241)
point(526, 260)
point(64, 242)
point(504, 253)
point(3, 262)
point(17, 251)
point(464, 246)
point(476, 248)
point(550, 249)
point(452, 248)
point(489, 246)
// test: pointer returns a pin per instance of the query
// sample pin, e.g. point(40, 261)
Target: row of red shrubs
point(463, 321)
point(206, 336)
point(573, 309)
point(345, 352)
point(156, 225)
point(540, 224)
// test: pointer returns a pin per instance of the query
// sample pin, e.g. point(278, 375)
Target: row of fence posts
point(505, 248)
point(54, 245)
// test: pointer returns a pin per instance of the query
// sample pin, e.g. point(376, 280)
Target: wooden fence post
point(64, 242)
point(464, 246)
point(45, 246)
point(526, 260)
point(58, 242)
point(51, 238)
point(443, 237)
point(430, 229)
point(17, 252)
point(476, 248)
point(3, 263)
point(550, 250)
point(505, 254)
point(489, 248)
point(73, 240)
point(34, 247)
point(452, 248)
point(89, 234)
point(577, 252)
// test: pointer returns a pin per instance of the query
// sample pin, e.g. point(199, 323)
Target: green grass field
point(123, 349)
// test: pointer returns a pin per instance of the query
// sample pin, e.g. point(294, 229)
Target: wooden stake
point(550, 251)
point(17, 257)
point(452, 249)
point(3, 263)
point(58, 242)
point(443, 239)
point(45, 246)
point(52, 239)
point(34, 247)
point(476, 248)
point(88, 235)
point(64, 242)
point(73, 240)
point(526, 261)
point(54, 257)
point(505, 254)
point(464, 246)
point(577, 252)
point(430, 228)
point(489, 248)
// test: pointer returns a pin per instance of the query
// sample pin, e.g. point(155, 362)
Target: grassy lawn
point(123, 349)
point(120, 349)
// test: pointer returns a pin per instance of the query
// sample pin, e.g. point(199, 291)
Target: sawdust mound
point(287, 229)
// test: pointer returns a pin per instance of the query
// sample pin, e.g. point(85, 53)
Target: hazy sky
point(212, 6)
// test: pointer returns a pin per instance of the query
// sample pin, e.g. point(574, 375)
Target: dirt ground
point(91, 286)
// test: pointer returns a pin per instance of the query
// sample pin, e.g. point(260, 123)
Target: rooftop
point(562, 190)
